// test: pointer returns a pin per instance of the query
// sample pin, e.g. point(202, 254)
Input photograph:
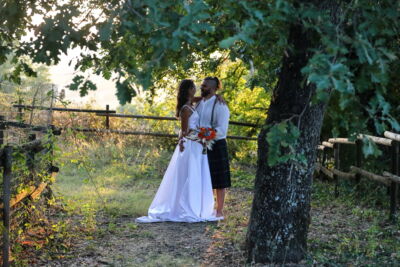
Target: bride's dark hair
point(183, 94)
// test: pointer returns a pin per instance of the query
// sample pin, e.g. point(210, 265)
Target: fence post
point(359, 156)
point(323, 156)
point(50, 112)
point(7, 161)
point(393, 185)
point(336, 153)
point(20, 114)
point(49, 193)
point(107, 117)
point(30, 157)
point(2, 128)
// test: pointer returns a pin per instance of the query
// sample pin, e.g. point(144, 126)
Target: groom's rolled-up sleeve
point(222, 120)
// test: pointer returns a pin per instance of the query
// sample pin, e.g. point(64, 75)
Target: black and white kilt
point(219, 165)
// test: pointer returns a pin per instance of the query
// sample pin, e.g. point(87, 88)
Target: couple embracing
point(186, 191)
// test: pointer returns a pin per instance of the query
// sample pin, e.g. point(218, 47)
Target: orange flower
point(207, 133)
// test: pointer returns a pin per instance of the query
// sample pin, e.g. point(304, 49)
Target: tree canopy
point(142, 41)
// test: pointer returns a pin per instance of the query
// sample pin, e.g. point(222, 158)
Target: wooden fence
point(390, 179)
point(107, 113)
point(10, 198)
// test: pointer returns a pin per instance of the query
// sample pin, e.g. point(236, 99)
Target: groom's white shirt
point(221, 116)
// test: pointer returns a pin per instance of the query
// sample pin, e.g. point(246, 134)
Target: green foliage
point(282, 139)
point(370, 148)
point(356, 60)
point(16, 21)
point(84, 86)
point(125, 92)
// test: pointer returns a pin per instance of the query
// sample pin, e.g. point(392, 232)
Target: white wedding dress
point(185, 193)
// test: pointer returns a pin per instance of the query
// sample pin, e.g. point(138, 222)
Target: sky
point(62, 74)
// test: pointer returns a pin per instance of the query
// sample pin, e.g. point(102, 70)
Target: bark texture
point(280, 213)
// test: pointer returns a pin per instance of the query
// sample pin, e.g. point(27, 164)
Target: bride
point(185, 193)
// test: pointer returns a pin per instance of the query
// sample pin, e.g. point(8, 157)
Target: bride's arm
point(196, 99)
point(220, 99)
point(185, 114)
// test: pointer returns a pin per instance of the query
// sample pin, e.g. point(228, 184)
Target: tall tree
point(281, 208)
point(318, 49)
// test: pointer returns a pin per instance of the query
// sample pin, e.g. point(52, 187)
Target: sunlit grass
point(111, 194)
point(119, 185)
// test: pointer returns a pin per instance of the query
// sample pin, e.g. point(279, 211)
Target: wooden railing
point(391, 178)
point(107, 113)
point(11, 198)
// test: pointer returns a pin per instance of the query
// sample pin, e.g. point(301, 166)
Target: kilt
point(219, 165)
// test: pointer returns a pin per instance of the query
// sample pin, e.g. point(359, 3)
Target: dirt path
point(338, 234)
point(125, 243)
point(162, 244)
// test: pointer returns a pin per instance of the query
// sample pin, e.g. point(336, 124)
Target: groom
point(215, 114)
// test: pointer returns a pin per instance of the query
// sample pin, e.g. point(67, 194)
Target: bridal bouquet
point(206, 136)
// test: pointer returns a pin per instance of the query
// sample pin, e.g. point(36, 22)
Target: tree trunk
point(280, 213)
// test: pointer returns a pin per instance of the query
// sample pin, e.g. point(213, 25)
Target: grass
point(109, 178)
point(114, 189)
point(350, 229)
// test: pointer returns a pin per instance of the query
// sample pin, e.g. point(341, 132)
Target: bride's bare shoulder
point(185, 111)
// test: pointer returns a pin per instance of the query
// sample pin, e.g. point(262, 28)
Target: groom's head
point(209, 86)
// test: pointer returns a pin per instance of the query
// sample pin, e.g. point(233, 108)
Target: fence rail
point(65, 109)
point(107, 113)
point(168, 119)
point(390, 179)
point(38, 128)
point(156, 134)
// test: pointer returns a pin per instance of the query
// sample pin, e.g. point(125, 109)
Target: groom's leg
point(220, 173)
point(220, 201)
